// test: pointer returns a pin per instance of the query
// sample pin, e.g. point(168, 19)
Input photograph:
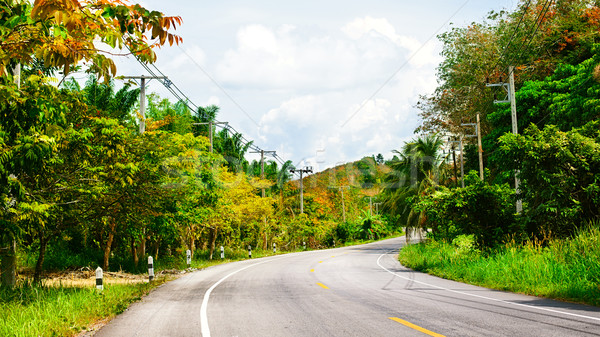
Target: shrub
point(483, 210)
point(560, 176)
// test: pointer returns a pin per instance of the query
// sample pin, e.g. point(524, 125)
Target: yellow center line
point(320, 261)
point(312, 270)
point(416, 327)
point(322, 286)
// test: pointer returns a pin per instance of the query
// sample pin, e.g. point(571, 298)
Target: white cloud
point(421, 54)
point(287, 57)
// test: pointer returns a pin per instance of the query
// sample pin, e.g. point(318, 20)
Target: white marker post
point(150, 268)
point(188, 254)
point(303, 245)
point(222, 252)
point(249, 251)
point(274, 248)
point(99, 279)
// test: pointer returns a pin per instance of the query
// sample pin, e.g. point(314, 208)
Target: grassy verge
point(60, 311)
point(561, 269)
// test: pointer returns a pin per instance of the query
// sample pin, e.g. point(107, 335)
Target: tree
point(59, 34)
point(559, 171)
point(416, 173)
point(102, 96)
point(535, 39)
point(233, 149)
point(62, 33)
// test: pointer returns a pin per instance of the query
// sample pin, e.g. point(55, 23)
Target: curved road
point(350, 291)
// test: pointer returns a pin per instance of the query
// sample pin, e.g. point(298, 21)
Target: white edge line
point(204, 307)
point(484, 297)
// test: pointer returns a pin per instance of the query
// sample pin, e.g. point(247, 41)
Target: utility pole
point(510, 90)
point(341, 188)
point(480, 148)
point(462, 163)
point(143, 96)
point(515, 129)
point(377, 207)
point(262, 165)
point(210, 131)
point(453, 148)
point(478, 135)
point(262, 176)
point(306, 169)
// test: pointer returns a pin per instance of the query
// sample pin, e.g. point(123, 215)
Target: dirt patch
point(86, 277)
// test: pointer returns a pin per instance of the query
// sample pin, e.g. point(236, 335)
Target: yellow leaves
point(242, 198)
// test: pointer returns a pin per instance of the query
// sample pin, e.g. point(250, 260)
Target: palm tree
point(205, 115)
point(283, 176)
point(414, 172)
point(233, 149)
point(102, 96)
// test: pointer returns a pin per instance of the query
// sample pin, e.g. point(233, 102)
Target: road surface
point(350, 291)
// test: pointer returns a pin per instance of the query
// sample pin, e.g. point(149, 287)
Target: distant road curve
point(350, 291)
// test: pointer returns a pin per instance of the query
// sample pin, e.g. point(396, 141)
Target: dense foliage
point(79, 186)
point(560, 175)
point(479, 209)
point(554, 48)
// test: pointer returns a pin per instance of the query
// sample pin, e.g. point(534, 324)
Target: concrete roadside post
point(188, 255)
point(303, 245)
point(99, 285)
point(249, 251)
point(150, 268)
point(222, 252)
point(274, 248)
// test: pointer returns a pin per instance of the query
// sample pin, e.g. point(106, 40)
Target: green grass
point(31, 310)
point(561, 269)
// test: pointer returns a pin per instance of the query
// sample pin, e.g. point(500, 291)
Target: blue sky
point(321, 82)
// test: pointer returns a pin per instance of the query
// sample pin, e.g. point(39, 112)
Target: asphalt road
point(351, 291)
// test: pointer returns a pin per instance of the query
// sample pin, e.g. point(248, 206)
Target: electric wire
point(510, 40)
point(538, 24)
point(180, 95)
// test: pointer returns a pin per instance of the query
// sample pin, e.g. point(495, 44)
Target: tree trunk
point(37, 275)
point(191, 245)
point(156, 246)
point(213, 239)
point(142, 250)
point(265, 233)
point(109, 241)
point(9, 266)
point(134, 253)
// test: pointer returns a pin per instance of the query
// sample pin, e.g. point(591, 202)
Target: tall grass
point(30, 310)
point(560, 269)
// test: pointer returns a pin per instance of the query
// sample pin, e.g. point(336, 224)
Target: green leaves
point(559, 173)
point(480, 209)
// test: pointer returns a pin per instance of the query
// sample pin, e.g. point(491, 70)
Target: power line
point(528, 37)
point(178, 93)
point(539, 21)
point(510, 40)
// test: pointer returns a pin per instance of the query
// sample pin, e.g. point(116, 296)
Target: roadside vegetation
point(32, 310)
point(474, 231)
point(566, 270)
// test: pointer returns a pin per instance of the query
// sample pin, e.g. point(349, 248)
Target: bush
point(560, 176)
point(483, 210)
